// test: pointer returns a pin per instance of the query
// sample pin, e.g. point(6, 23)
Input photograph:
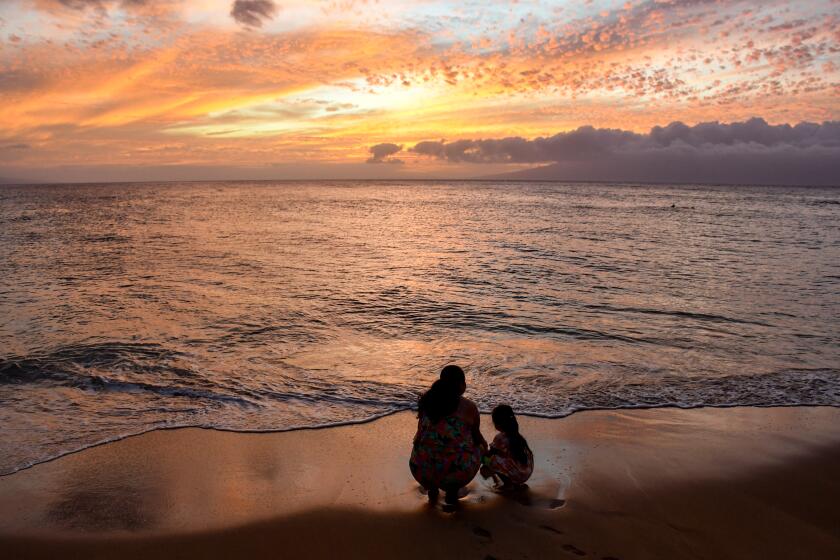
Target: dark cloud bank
point(249, 13)
point(381, 153)
point(253, 13)
point(751, 152)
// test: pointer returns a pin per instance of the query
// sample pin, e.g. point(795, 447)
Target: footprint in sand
point(552, 529)
point(526, 498)
point(573, 549)
point(540, 502)
point(449, 508)
point(481, 532)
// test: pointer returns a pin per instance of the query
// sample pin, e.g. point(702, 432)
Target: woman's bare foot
point(433, 495)
point(451, 497)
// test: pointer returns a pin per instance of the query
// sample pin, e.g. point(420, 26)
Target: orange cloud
point(136, 82)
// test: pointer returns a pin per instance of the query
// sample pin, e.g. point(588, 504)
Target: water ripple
point(266, 306)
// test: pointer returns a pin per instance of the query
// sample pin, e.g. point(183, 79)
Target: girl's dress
point(502, 462)
point(444, 453)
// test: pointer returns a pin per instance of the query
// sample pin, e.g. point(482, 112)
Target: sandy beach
point(660, 483)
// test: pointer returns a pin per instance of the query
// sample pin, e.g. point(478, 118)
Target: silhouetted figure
point(448, 445)
point(509, 459)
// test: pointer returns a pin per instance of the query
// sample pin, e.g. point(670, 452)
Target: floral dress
point(502, 462)
point(444, 453)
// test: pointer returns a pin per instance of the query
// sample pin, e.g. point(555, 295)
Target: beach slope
point(633, 484)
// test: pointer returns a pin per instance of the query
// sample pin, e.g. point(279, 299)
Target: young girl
point(509, 458)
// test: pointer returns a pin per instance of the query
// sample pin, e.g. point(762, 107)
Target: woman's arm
point(419, 429)
point(476, 430)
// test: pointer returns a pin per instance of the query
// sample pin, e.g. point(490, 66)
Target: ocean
point(274, 306)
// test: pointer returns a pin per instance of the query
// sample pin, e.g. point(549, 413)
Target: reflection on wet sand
point(114, 492)
point(119, 508)
point(194, 480)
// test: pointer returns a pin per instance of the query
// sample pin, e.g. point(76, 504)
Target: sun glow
point(89, 85)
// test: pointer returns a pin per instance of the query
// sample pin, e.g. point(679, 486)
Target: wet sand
point(664, 483)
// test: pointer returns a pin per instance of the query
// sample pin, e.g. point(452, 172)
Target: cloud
point(11, 152)
point(100, 5)
point(381, 153)
point(86, 88)
point(743, 152)
point(588, 142)
point(136, 10)
point(83, 4)
point(252, 13)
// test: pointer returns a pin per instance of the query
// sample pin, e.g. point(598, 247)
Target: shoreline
point(629, 483)
point(119, 438)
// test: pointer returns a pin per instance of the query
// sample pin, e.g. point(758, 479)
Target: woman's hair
point(505, 422)
point(453, 374)
point(439, 401)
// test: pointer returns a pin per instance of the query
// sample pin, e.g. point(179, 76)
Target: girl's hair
point(505, 422)
point(440, 401)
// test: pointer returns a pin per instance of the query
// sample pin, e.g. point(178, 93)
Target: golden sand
point(665, 483)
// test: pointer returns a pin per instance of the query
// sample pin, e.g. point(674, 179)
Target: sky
point(104, 90)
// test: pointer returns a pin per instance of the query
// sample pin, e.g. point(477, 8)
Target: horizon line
point(418, 180)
